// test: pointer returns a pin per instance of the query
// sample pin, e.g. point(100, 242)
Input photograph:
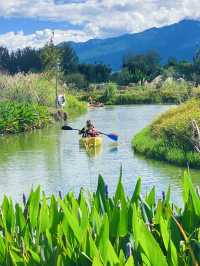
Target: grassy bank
point(95, 229)
point(28, 101)
point(169, 137)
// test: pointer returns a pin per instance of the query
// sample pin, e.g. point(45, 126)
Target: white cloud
point(13, 40)
point(97, 18)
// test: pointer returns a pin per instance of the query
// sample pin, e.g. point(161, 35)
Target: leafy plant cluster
point(95, 229)
point(19, 117)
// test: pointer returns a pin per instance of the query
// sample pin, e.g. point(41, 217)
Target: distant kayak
point(90, 142)
point(95, 105)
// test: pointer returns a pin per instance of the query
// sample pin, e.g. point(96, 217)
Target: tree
point(50, 54)
point(95, 73)
point(29, 60)
point(196, 67)
point(4, 58)
point(122, 78)
point(69, 59)
point(76, 80)
point(143, 66)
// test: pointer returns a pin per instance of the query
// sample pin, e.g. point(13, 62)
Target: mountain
point(178, 40)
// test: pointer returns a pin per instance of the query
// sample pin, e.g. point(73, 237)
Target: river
point(53, 158)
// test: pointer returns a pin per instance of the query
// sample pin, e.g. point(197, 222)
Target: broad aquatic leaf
point(53, 214)
point(34, 207)
point(120, 195)
point(20, 220)
point(190, 191)
point(137, 191)
point(150, 247)
point(35, 257)
point(97, 262)
point(72, 221)
point(44, 216)
point(150, 199)
point(111, 255)
point(104, 239)
point(2, 250)
point(130, 261)
point(164, 232)
point(172, 254)
point(8, 214)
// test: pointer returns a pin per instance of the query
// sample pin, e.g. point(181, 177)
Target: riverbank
point(28, 102)
point(169, 138)
point(112, 230)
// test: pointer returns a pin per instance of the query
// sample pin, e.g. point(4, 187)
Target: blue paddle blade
point(114, 137)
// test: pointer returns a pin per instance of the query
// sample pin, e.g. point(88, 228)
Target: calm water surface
point(53, 158)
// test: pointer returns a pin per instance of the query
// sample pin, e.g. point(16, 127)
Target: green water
point(54, 159)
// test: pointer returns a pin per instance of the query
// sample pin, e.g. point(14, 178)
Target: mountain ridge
point(178, 40)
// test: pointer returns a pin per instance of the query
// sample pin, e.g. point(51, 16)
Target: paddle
point(112, 136)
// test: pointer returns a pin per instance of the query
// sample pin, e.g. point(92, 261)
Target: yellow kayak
point(90, 142)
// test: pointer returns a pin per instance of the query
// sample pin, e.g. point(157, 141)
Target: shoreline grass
point(169, 137)
point(156, 148)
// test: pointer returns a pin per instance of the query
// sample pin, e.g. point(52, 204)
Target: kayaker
point(89, 130)
point(90, 100)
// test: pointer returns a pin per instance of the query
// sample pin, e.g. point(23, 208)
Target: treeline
point(146, 67)
point(51, 58)
point(136, 68)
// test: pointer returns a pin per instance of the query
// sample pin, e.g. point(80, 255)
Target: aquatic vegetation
point(97, 229)
point(20, 117)
point(169, 92)
point(75, 107)
point(169, 136)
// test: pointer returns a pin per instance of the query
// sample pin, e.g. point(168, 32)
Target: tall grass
point(31, 88)
point(96, 229)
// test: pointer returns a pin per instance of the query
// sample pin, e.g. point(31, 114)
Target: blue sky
point(30, 22)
